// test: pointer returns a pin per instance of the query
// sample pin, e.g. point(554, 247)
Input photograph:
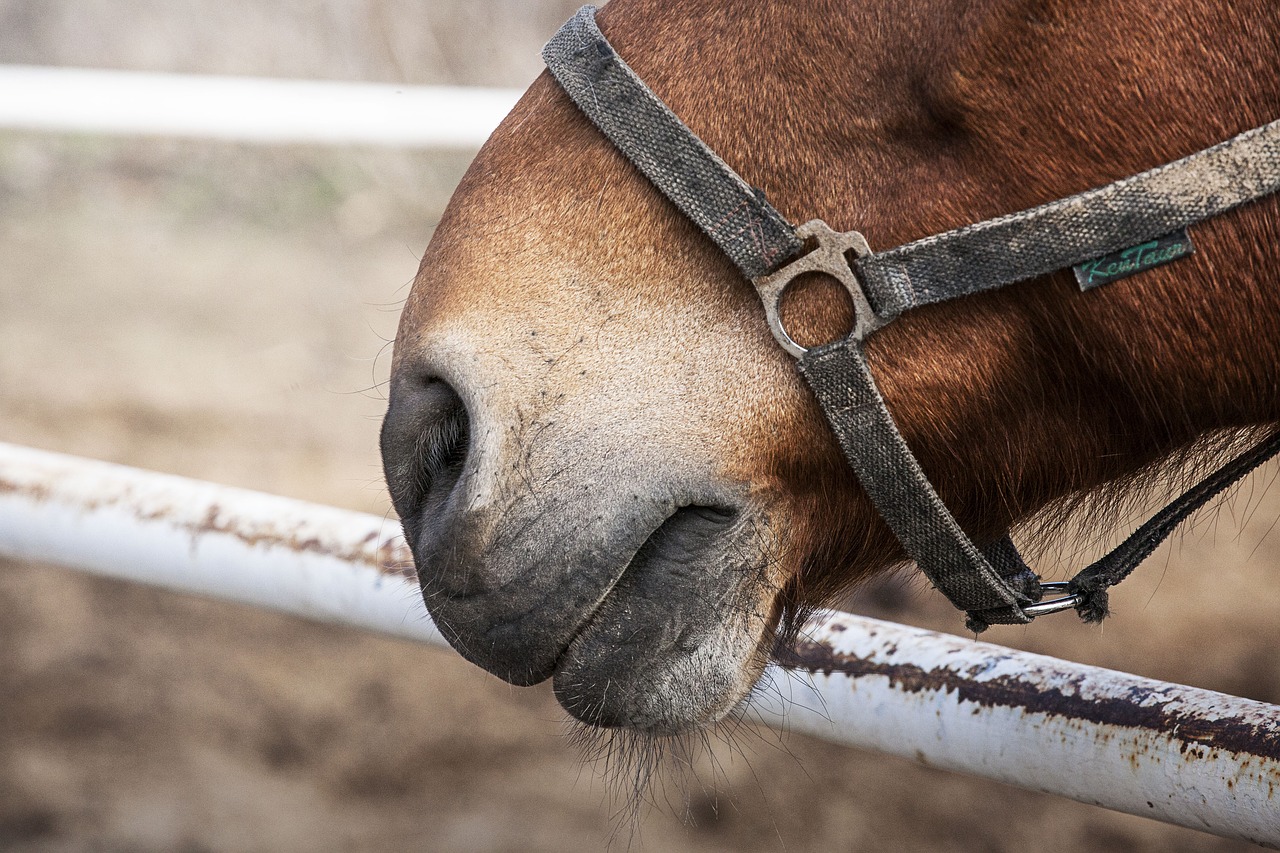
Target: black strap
point(893, 479)
point(1093, 581)
point(728, 209)
point(994, 585)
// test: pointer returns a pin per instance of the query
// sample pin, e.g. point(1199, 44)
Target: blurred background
point(224, 311)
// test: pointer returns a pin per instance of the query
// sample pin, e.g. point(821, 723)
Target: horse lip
point(516, 627)
point(590, 617)
point(521, 618)
point(627, 645)
point(723, 514)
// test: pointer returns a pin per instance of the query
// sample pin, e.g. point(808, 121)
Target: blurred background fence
point(222, 311)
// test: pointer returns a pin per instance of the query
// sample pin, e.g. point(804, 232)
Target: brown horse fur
point(558, 273)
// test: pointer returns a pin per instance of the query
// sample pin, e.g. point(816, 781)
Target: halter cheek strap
point(992, 584)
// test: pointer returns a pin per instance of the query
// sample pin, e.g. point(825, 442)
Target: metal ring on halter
point(829, 257)
point(1055, 605)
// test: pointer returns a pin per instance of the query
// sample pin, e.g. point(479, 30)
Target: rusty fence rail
point(1178, 754)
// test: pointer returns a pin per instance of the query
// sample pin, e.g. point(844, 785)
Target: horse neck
point(907, 121)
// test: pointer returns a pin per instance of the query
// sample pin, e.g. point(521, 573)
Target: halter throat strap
point(992, 584)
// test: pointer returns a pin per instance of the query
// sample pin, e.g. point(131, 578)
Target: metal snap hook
point(1055, 605)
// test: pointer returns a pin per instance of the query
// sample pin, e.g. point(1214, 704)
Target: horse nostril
point(425, 438)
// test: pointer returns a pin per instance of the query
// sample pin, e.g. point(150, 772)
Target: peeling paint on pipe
point(1179, 754)
point(301, 558)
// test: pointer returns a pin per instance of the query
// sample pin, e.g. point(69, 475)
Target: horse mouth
point(674, 641)
point(644, 616)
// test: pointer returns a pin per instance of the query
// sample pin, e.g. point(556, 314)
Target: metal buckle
point(1056, 605)
point(829, 257)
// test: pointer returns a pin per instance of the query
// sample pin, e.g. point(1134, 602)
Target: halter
point(1105, 233)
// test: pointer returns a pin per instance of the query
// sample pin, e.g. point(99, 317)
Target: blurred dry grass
point(219, 311)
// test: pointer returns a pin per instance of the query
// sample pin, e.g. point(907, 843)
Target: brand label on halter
point(1135, 259)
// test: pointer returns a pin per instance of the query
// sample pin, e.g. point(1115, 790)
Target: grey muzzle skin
point(648, 611)
point(991, 584)
point(474, 574)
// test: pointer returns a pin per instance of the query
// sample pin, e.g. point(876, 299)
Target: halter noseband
point(1098, 232)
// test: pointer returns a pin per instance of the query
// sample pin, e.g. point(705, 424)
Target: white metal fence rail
point(1183, 755)
point(250, 109)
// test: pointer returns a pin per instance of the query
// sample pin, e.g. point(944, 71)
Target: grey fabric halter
point(992, 584)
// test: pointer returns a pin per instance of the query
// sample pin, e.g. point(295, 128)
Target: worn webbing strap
point(1073, 230)
point(731, 212)
point(1093, 581)
point(892, 478)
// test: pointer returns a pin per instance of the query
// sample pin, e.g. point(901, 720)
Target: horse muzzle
point(642, 588)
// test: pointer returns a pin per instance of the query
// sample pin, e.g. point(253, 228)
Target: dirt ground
point(222, 312)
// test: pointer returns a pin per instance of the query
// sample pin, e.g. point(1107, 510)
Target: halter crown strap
point(994, 585)
point(728, 209)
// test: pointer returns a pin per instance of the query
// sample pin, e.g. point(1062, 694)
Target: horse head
point(609, 472)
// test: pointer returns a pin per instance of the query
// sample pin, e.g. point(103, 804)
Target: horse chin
point(683, 635)
point(666, 693)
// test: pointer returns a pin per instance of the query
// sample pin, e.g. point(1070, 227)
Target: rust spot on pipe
point(394, 558)
point(390, 556)
point(1139, 708)
point(35, 491)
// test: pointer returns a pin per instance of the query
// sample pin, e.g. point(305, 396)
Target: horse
point(610, 474)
